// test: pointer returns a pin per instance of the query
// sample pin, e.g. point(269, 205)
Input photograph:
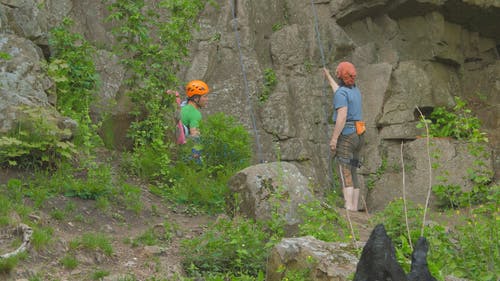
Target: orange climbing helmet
point(196, 87)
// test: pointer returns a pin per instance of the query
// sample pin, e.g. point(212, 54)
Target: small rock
point(153, 250)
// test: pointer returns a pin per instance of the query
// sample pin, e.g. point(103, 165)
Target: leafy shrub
point(225, 142)
point(323, 222)
point(226, 148)
point(201, 188)
point(457, 122)
point(452, 196)
point(69, 261)
point(73, 70)
point(449, 196)
point(470, 250)
point(237, 246)
point(34, 142)
point(152, 48)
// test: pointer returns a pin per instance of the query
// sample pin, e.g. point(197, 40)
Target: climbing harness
point(252, 115)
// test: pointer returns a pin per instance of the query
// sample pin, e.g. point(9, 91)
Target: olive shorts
point(347, 155)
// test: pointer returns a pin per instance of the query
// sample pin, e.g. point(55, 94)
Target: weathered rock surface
point(408, 53)
point(261, 190)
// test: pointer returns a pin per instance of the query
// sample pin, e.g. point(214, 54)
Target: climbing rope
point(252, 115)
point(325, 85)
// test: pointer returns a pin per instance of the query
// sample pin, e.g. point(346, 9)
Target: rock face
point(451, 162)
point(409, 54)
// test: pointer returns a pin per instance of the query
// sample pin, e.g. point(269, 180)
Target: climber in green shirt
point(196, 91)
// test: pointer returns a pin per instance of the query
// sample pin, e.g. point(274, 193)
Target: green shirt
point(190, 116)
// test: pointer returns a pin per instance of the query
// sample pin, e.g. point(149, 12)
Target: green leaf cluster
point(270, 82)
point(237, 246)
point(76, 79)
point(322, 221)
point(153, 43)
point(458, 122)
point(35, 141)
point(469, 250)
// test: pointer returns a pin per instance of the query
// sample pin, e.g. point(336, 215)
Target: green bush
point(226, 148)
point(469, 250)
point(34, 142)
point(225, 142)
point(323, 222)
point(239, 246)
point(457, 122)
point(73, 70)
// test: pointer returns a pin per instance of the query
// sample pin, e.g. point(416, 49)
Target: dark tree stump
point(378, 259)
point(419, 269)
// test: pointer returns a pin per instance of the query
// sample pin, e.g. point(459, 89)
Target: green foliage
point(277, 26)
point(458, 122)
point(69, 261)
point(93, 242)
point(197, 187)
point(5, 56)
point(99, 274)
point(270, 82)
point(449, 196)
point(74, 73)
point(148, 162)
point(153, 48)
point(452, 196)
point(323, 222)
point(89, 181)
point(372, 178)
point(469, 251)
point(42, 237)
point(131, 197)
point(237, 246)
point(477, 254)
point(34, 142)
point(226, 148)
point(154, 236)
point(225, 142)
point(8, 264)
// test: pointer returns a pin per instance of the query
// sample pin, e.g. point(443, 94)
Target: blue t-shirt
point(350, 97)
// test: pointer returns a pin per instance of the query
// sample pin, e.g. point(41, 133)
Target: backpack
point(180, 129)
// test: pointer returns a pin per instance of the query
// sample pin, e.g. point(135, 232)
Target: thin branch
point(26, 232)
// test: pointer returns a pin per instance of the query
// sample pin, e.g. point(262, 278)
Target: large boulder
point(321, 261)
point(262, 189)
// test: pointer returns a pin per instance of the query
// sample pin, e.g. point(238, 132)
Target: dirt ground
point(163, 260)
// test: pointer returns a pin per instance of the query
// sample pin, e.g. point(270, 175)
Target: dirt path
point(128, 232)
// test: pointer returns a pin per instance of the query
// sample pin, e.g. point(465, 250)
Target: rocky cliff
point(409, 54)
